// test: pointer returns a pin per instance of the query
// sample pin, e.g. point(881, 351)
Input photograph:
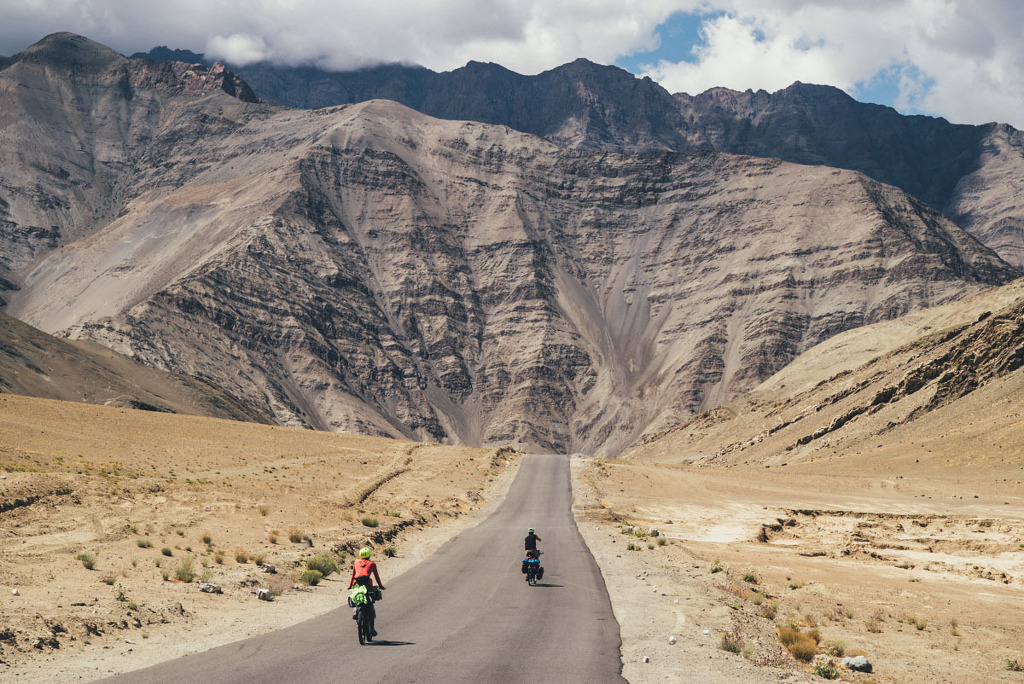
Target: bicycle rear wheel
point(361, 625)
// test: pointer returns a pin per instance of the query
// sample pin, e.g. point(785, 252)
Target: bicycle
point(366, 614)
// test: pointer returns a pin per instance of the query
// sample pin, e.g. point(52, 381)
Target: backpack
point(357, 597)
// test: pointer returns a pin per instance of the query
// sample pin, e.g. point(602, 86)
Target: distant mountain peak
point(70, 50)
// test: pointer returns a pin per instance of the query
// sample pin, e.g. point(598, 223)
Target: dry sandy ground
point(909, 568)
point(124, 485)
point(925, 580)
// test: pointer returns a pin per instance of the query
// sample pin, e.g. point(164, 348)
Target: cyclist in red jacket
point(363, 572)
point(363, 568)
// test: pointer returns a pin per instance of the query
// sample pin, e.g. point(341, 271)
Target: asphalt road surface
point(466, 614)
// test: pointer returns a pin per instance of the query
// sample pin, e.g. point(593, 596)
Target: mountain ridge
point(588, 106)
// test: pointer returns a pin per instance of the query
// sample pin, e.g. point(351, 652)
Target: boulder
point(857, 663)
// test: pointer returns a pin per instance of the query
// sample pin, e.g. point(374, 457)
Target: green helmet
point(364, 552)
point(529, 531)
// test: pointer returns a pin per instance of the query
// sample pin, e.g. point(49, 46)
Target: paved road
point(463, 615)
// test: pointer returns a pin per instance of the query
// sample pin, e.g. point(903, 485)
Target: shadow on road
point(385, 642)
point(547, 584)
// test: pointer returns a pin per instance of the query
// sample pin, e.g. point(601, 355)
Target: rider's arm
point(352, 581)
point(377, 576)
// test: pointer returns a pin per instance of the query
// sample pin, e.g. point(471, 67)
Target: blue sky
point(960, 59)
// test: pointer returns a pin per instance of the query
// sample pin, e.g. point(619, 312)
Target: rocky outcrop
point(369, 268)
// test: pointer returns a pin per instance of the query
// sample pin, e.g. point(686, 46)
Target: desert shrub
point(132, 605)
point(662, 541)
point(310, 577)
point(143, 543)
point(788, 635)
point(631, 546)
point(185, 571)
point(954, 627)
point(716, 566)
point(732, 641)
point(757, 598)
point(258, 557)
point(264, 509)
point(1015, 664)
point(272, 537)
point(650, 545)
point(369, 521)
point(835, 648)
point(390, 551)
point(874, 626)
point(769, 610)
point(181, 533)
point(826, 668)
point(241, 555)
point(750, 577)
point(207, 538)
point(88, 560)
point(218, 557)
point(166, 574)
point(323, 563)
point(920, 623)
point(167, 551)
point(294, 536)
point(802, 646)
point(109, 580)
point(207, 575)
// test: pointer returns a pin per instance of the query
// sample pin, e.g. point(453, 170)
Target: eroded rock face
point(369, 268)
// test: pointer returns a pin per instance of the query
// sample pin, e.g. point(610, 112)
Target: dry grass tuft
point(310, 578)
point(323, 563)
point(732, 641)
point(185, 570)
point(802, 646)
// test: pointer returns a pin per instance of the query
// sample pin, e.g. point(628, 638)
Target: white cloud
point(962, 59)
point(237, 48)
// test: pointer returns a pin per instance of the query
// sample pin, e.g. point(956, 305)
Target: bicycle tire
point(361, 629)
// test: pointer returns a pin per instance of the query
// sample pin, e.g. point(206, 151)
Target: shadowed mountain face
point(35, 364)
point(971, 173)
point(369, 268)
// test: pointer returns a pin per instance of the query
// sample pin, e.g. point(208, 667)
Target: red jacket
point(364, 567)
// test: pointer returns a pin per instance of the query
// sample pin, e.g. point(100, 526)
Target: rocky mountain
point(970, 173)
point(35, 364)
point(898, 393)
point(74, 116)
point(373, 269)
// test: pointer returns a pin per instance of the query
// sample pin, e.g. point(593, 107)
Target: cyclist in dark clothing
point(531, 540)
